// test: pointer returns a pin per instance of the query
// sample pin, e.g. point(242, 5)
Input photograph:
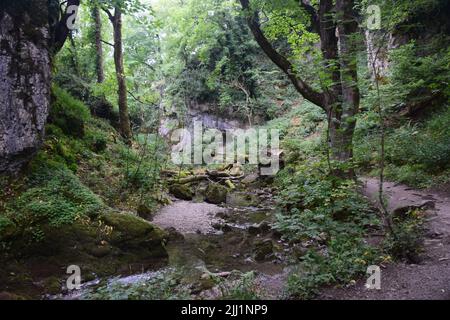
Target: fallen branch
point(189, 179)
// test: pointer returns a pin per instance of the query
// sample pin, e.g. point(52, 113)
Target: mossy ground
point(76, 204)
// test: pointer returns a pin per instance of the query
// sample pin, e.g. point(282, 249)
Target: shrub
point(408, 240)
point(55, 197)
point(345, 258)
point(243, 288)
point(68, 113)
point(328, 216)
point(7, 228)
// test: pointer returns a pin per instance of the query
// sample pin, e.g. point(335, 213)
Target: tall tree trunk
point(125, 128)
point(98, 44)
point(343, 117)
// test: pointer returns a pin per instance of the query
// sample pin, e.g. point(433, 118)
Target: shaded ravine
point(208, 239)
point(212, 239)
point(429, 279)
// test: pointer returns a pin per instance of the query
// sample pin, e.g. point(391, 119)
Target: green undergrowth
point(326, 219)
point(417, 154)
point(82, 170)
point(330, 221)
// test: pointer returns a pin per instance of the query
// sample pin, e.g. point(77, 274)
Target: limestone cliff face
point(204, 114)
point(421, 27)
point(25, 71)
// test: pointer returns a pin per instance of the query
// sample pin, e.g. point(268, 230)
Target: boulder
point(174, 235)
point(115, 243)
point(131, 232)
point(401, 212)
point(216, 193)
point(25, 73)
point(260, 228)
point(181, 191)
point(250, 178)
point(144, 211)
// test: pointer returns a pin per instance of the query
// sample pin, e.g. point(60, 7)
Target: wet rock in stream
point(260, 228)
point(182, 192)
point(224, 227)
point(263, 250)
point(174, 235)
point(216, 193)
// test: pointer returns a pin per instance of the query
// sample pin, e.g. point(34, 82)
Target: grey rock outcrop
point(25, 74)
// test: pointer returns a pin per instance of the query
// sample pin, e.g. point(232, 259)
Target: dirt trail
point(430, 279)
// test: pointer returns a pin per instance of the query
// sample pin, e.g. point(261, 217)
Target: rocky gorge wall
point(205, 114)
point(25, 73)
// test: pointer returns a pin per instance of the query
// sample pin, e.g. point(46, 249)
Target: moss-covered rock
point(242, 199)
point(263, 249)
point(131, 232)
point(144, 211)
point(181, 191)
point(114, 244)
point(68, 113)
point(216, 193)
point(230, 184)
point(4, 295)
point(7, 228)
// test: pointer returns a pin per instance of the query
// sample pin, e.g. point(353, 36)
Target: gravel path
point(188, 217)
point(428, 280)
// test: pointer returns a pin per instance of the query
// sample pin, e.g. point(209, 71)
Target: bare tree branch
point(109, 14)
point(62, 29)
point(108, 43)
